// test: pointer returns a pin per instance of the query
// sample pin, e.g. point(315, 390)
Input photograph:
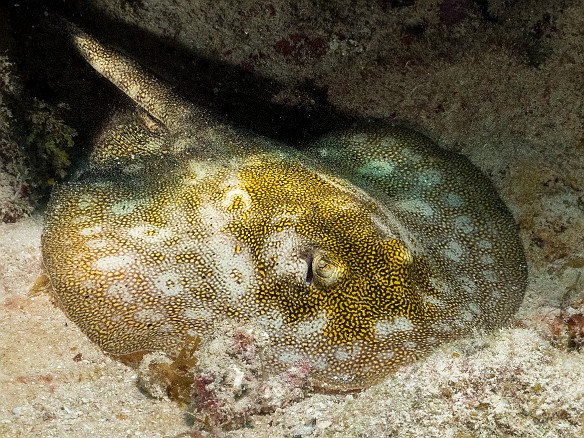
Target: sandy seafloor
point(502, 82)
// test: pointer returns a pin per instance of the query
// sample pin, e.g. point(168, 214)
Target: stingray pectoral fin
point(448, 212)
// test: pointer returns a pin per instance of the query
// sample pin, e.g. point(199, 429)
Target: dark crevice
point(53, 71)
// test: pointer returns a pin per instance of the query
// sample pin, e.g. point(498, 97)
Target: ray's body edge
point(194, 221)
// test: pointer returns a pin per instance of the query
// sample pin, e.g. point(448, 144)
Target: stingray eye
point(325, 271)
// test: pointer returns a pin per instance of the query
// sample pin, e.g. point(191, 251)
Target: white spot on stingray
point(199, 170)
point(90, 231)
point(212, 219)
point(234, 194)
point(85, 201)
point(150, 233)
point(467, 284)
point(411, 155)
point(487, 259)
point(193, 332)
point(490, 275)
point(344, 378)
point(341, 354)
point(462, 322)
point(198, 313)
point(167, 327)
point(312, 326)
point(453, 251)
point(80, 219)
point(96, 243)
point(377, 168)
point(431, 299)
point(133, 168)
point(443, 327)
point(279, 218)
point(148, 316)
point(112, 262)
point(356, 350)
point(466, 315)
point(88, 284)
point(387, 327)
point(290, 357)
point(430, 177)
point(169, 284)
point(234, 271)
point(474, 308)
point(132, 87)
point(416, 206)
point(330, 153)
point(485, 244)
point(125, 207)
point(121, 292)
point(464, 224)
point(439, 284)
point(389, 143)
point(318, 362)
point(385, 355)
point(271, 322)
point(410, 345)
point(284, 247)
point(453, 200)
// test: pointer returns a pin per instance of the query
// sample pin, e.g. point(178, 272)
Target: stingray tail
point(152, 94)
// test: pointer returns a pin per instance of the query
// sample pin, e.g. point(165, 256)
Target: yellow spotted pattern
point(358, 256)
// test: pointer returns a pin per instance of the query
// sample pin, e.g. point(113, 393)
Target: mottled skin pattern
point(362, 254)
